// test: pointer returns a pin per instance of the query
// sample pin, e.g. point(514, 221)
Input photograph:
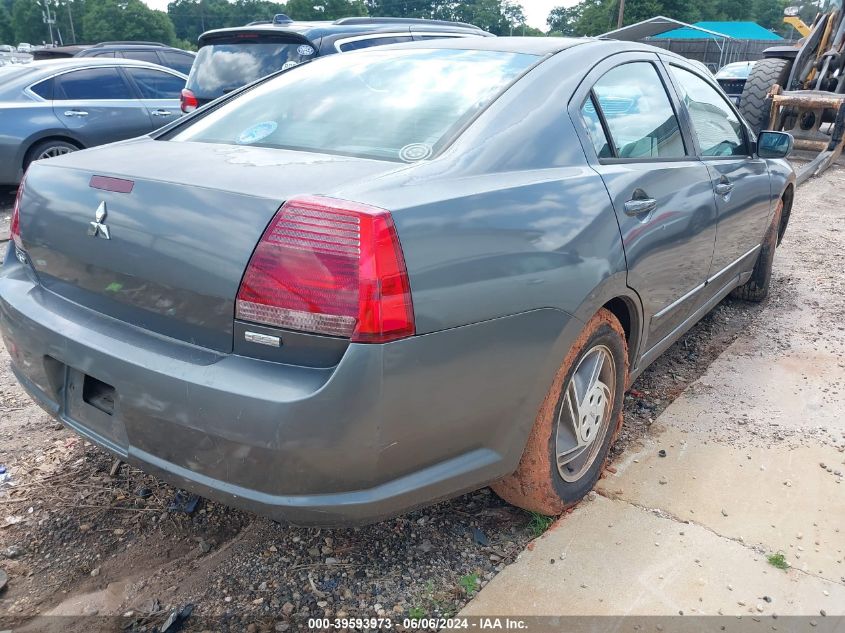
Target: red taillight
point(187, 101)
point(330, 267)
point(15, 229)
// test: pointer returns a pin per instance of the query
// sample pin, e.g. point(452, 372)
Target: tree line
point(90, 21)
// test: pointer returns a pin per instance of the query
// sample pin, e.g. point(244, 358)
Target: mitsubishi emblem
point(98, 227)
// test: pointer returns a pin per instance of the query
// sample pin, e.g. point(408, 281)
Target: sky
point(536, 11)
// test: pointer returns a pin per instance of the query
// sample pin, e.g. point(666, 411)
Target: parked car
point(152, 52)
point(230, 58)
point(391, 276)
point(55, 107)
point(732, 78)
point(24, 47)
point(59, 52)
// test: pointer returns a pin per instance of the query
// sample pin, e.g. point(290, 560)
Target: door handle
point(640, 206)
point(162, 113)
point(75, 113)
point(724, 186)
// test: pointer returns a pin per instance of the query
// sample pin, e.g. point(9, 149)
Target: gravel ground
point(80, 536)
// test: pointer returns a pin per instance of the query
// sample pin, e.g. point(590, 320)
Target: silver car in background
point(55, 107)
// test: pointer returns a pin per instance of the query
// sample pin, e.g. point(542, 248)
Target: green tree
point(325, 9)
point(7, 31)
point(126, 20)
point(564, 20)
point(28, 22)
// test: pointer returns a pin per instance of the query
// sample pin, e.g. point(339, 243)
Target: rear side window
point(156, 84)
point(177, 61)
point(94, 84)
point(400, 105)
point(716, 127)
point(44, 89)
point(355, 45)
point(595, 129)
point(639, 115)
point(102, 54)
point(221, 68)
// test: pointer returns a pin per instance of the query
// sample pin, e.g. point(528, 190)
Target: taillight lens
point(187, 101)
point(15, 229)
point(330, 267)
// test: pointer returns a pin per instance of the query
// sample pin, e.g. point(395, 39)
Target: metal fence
point(716, 53)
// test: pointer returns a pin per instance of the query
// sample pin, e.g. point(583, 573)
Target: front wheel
point(757, 287)
point(576, 424)
point(753, 102)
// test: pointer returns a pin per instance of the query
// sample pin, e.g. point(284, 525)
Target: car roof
point(49, 66)
point(320, 28)
point(526, 45)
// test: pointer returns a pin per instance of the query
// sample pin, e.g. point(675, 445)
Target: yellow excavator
point(801, 88)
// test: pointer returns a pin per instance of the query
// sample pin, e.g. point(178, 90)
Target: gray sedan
point(54, 107)
point(387, 277)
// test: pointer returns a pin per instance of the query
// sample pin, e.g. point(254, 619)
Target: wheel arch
point(788, 198)
point(47, 135)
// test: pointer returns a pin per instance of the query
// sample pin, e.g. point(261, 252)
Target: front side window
point(141, 56)
point(155, 84)
point(373, 41)
point(639, 115)
point(400, 105)
point(717, 128)
point(94, 84)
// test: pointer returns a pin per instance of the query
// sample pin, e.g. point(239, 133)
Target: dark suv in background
point(233, 57)
point(152, 52)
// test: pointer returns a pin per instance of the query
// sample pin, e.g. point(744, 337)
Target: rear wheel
point(48, 149)
point(757, 287)
point(573, 430)
point(764, 74)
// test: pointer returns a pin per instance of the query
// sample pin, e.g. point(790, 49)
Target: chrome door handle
point(76, 113)
point(640, 206)
point(162, 113)
point(723, 187)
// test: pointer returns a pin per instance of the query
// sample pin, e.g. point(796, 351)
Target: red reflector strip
point(118, 185)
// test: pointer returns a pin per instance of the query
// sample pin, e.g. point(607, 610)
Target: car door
point(660, 191)
point(99, 105)
point(740, 180)
point(159, 91)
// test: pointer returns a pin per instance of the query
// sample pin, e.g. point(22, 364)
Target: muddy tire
point(757, 287)
point(568, 446)
point(753, 104)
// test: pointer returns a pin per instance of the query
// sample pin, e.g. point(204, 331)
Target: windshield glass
point(221, 68)
point(739, 70)
point(390, 104)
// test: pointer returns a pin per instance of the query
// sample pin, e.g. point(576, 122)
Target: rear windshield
point(221, 68)
point(401, 105)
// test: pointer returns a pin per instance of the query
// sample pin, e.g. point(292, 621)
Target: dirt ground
point(80, 537)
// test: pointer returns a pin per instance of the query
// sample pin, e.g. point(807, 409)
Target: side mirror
point(774, 144)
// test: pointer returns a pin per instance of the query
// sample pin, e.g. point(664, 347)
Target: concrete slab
point(775, 498)
point(613, 558)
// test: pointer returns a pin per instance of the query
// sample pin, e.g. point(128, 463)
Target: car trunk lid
point(159, 234)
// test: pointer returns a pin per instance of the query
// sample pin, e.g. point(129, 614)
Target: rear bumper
point(390, 428)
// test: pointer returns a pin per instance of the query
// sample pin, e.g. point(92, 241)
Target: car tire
point(753, 104)
point(48, 149)
point(757, 287)
point(539, 483)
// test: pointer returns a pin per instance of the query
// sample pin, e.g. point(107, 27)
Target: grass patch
point(416, 613)
point(777, 560)
point(469, 582)
point(539, 523)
